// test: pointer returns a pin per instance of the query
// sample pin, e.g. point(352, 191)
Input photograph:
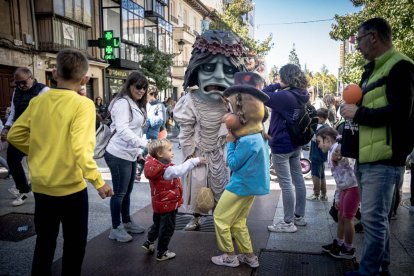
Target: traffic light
point(108, 42)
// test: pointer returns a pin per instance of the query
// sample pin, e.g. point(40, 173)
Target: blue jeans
point(376, 183)
point(123, 176)
point(289, 171)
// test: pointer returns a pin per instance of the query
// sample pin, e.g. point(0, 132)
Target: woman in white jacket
point(127, 142)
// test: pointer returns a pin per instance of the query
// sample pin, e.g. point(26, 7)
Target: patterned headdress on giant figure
point(210, 44)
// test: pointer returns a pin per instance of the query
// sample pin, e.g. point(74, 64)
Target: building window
point(77, 10)
point(132, 22)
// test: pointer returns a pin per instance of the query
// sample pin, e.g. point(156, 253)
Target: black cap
point(247, 83)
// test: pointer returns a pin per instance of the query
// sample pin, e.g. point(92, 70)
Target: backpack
point(303, 127)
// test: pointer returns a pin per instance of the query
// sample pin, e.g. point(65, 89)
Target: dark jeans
point(123, 176)
point(14, 160)
point(163, 229)
point(412, 184)
point(72, 212)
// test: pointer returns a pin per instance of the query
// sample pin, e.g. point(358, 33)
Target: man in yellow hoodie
point(57, 133)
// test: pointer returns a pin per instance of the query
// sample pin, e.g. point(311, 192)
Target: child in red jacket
point(166, 194)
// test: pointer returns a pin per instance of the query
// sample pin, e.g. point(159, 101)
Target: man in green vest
point(385, 118)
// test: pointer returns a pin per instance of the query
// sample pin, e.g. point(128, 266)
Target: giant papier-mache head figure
point(216, 57)
point(247, 110)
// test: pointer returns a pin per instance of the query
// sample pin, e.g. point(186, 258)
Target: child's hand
point(203, 161)
point(230, 137)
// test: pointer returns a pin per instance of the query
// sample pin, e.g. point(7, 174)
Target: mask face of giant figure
point(214, 77)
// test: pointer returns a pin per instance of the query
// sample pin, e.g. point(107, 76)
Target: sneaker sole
point(148, 250)
point(347, 257)
point(119, 240)
point(135, 231)
point(226, 264)
point(164, 259)
point(282, 231)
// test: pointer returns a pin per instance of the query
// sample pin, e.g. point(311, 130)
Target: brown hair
point(135, 78)
point(155, 146)
point(71, 64)
point(327, 132)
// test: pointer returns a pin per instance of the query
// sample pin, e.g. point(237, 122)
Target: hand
point(230, 137)
point(348, 111)
point(4, 134)
point(203, 161)
point(105, 191)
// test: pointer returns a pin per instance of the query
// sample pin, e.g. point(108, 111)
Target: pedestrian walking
point(57, 132)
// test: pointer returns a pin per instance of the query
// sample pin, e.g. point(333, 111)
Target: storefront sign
point(117, 73)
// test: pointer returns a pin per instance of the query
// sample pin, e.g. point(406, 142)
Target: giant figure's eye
point(229, 70)
point(208, 67)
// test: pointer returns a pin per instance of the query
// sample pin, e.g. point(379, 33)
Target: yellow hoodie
point(57, 132)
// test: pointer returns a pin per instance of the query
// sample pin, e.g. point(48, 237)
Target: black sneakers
point(148, 246)
point(343, 253)
point(331, 247)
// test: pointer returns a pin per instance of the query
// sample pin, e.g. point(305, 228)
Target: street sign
point(108, 42)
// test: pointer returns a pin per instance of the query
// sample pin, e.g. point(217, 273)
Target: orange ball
point(352, 94)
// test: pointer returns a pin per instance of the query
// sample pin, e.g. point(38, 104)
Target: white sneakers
point(193, 224)
point(134, 228)
point(120, 234)
point(20, 200)
point(253, 262)
point(282, 227)
point(299, 221)
point(226, 260)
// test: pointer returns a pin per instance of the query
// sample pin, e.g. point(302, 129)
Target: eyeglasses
point(359, 38)
point(22, 82)
point(139, 87)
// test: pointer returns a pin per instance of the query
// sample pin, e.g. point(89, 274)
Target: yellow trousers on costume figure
point(230, 220)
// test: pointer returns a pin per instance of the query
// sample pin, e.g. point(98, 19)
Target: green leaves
point(156, 65)
point(231, 20)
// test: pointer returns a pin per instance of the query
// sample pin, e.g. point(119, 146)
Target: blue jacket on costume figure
point(284, 104)
point(248, 160)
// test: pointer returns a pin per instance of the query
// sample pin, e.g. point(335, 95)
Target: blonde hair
point(155, 146)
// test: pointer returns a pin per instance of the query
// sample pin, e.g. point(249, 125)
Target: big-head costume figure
point(248, 159)
point(215, 58)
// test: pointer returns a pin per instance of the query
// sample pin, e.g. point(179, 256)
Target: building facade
point(186, 18)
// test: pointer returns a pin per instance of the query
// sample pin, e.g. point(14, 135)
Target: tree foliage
point(231, 20)
point(323, 82)
point(399, 13)
point(156, 65)
point(352, 71)
point(293, 57)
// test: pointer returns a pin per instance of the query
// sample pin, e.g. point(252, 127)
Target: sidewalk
point(194, 249)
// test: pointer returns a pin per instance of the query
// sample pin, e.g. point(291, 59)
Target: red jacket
point(166, 195)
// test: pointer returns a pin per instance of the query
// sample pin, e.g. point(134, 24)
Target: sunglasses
point(139, 87)
point(21, 82)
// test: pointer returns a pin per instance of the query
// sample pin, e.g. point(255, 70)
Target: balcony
point(55, 34)
point(184, 33)
point(174, 19)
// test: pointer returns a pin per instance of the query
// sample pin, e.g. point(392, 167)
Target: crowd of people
point(225, 149)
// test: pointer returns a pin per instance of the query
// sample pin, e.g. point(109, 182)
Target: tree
point(156, 65)
point(352, 71)
point(322, 81)
point(231, 20)
point(399, 13)
point(293, 57)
